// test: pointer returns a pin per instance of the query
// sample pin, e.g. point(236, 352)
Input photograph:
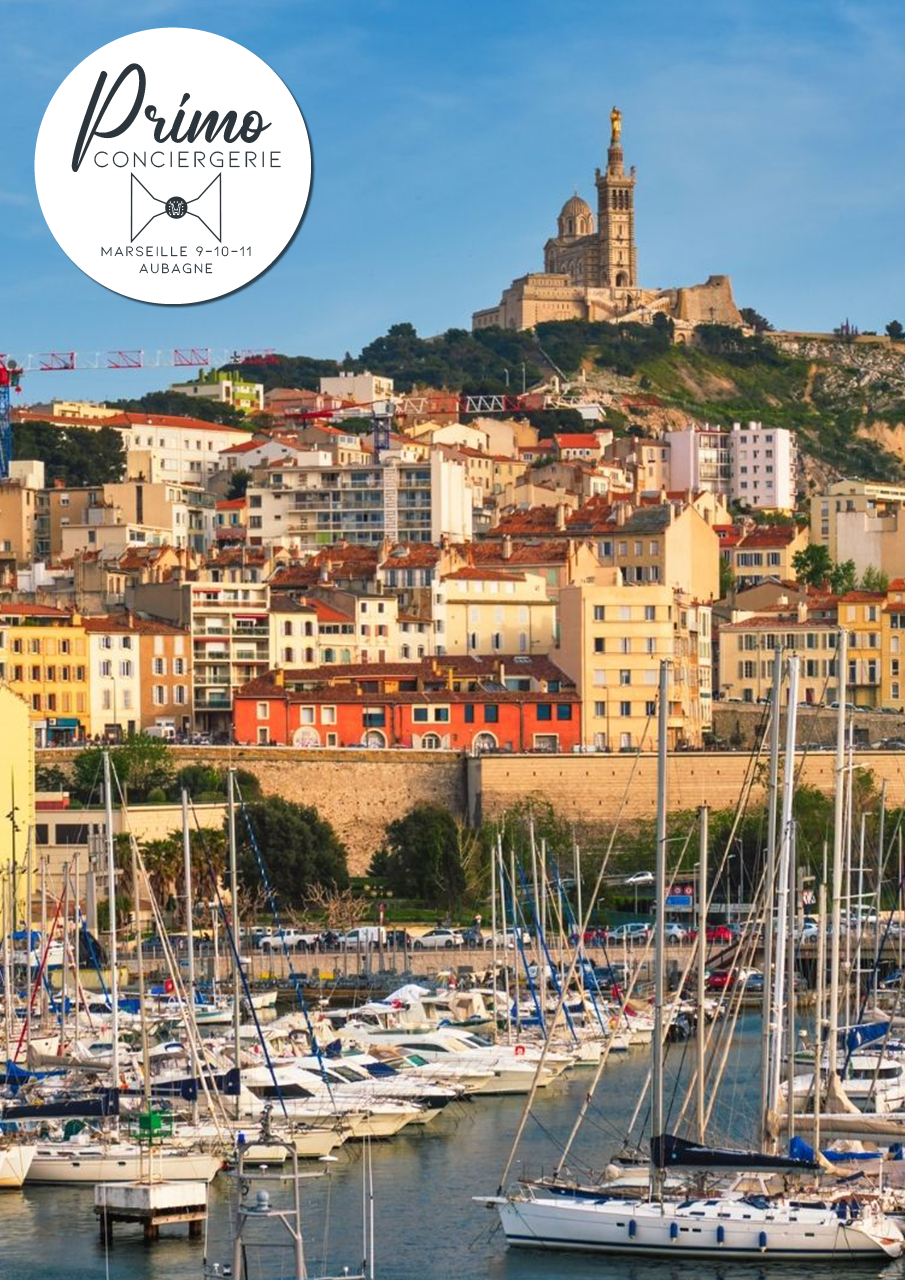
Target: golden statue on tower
point(616, 123)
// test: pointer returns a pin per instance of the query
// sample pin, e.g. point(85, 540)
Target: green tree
point(74, 455)
point(755, 320)
point(298, 847)
point(813, 565)
point(177, 404)
point(873, 579)
point(843, 577)
point(238, 483)
point(141, 764)
point(895, 330)
point(426, 856)
point(727, 578)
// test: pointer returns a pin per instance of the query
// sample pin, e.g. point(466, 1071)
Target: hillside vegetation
point(844, 399)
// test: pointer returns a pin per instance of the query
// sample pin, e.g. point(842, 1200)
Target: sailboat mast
point(190, 938)
point(237, 954)
point(111, 899)
point(656, 1111)
point(785, 855)
point(769, 889)
point(838, 824)
point(704, 832)
point(29, 889)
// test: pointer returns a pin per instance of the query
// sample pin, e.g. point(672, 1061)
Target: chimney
point(619, 512)
point(663, 497)
point(802, 611)
point(560, 517)
point(507, 546)
point(279, 678)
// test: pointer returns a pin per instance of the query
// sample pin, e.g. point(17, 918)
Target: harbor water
point(426, 1224)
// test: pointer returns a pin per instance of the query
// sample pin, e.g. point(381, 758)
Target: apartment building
point(862, 521)
point(167, 678)
point(44, 659)
point(17, 787)
point(114, 677)
point(224, 388)
point(645, 461)
point(516, 704)
point(359, 388)
point(159, 447)
point(478, 610)
point(767, 551)
point(892, 646)
point(231, 521)
point(230, 638)
point(313, 501)
point(751, 464)
point(861, 614)
point(612, 640)
point(336, 627)
point(747, 648)
point(19, 501)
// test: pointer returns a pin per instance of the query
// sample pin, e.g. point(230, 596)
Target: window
point(491, 713)
point(625, 677)
point(469, 713)
point(650, 613)
point(420, 715)
point(160, 666)
point(599, 708)
point(180, 695)
point(328, 715)
point(599, 644)
point(125, 669)
point(544, 711)
point(650, 708)
point(625, 708)
point(441, 714)
point(106, 668)
point(599, 613)
point(625, 644)
point(306, 715)
point(564, 711)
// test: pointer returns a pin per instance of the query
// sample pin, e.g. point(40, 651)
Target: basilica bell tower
point(618, 262)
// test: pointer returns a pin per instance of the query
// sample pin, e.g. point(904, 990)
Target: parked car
point(635, 932)
point(640, 877)
point(366, 935)
point(720, 933)
point(439, 940)
point(289, 940)
point(675, 933)
point(507, 937)
point(720, 980)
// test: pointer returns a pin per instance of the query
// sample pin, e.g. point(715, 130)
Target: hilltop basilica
point(591, 267)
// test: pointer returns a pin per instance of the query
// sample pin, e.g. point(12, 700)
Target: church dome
point(575, 218)
point(574, 206)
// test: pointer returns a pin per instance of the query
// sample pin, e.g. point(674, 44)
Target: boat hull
point(641, 1228)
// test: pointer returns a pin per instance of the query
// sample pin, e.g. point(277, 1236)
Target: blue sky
point(767, 136)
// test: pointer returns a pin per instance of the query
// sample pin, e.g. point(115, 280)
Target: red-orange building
point(455, 703)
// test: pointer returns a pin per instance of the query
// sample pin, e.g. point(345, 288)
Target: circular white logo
point(173, 166)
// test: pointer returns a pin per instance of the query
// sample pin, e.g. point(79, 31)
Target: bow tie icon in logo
point(144, 208)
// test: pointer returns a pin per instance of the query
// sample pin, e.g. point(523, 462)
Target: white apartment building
point(361, 388)
point(312, 501)
point(185, 450)
point(114, 682)
point(751, 464)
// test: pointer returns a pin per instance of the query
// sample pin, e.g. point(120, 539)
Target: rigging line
point(723, 1028)
point(271, 898)
point(191, 1026)
point(560, 992)
point(243, 978)
point(529, 1101)
point(624, 997)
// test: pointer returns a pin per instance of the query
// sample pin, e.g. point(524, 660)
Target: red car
point(720, 933)
point(720, 980)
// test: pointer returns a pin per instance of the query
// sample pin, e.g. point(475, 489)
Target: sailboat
point(732, 1222)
